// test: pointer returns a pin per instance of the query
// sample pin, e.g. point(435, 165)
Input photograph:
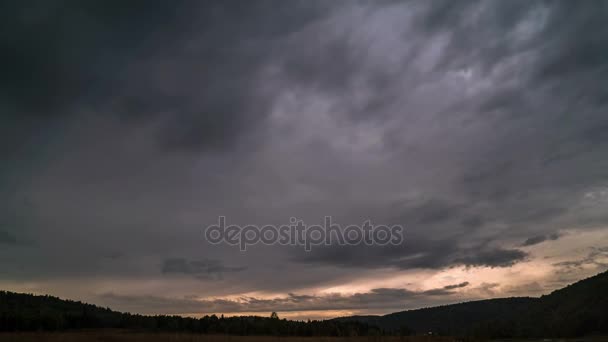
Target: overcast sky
point(128, 127)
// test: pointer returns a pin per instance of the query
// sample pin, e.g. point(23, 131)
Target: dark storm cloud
point(138, 61)
point(15, 224)
point(540, 239)
point(7, 238)
point(202, 269)
point(58, 54)
point(497, 257)
point(568, 62)
point(431, 211)
point(477, 125)
point(414, 253)
point(472, 222)
point(502, 178)
point(573, 48)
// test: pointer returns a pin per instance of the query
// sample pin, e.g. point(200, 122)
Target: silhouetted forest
point(25, 312)
point(577, 310)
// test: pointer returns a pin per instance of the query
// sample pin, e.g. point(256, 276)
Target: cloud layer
point(480, 126)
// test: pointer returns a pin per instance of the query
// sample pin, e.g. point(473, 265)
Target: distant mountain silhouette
point(26, 312)
point(576, 310)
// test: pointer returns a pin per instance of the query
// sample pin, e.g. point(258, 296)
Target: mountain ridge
point(575, 310)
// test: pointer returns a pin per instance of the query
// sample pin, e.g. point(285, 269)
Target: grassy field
point(120, 336)
point(112, 336)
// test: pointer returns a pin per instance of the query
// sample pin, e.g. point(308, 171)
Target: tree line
point(577, 310)
point(25, 312)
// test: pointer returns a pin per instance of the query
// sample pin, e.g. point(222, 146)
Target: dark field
point(118, 336)
point(113, 336)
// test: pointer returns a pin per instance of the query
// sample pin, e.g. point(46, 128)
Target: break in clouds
point(125, 129)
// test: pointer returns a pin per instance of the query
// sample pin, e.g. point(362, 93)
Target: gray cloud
point(203, 269)
point(596, 257)
point(56, 53)
point(493, 257)
point(535, 240)
point(7, 238)
point(446, 290)
point(61, 57)
point(375, 298)
point(456, 286)
point(414, 255)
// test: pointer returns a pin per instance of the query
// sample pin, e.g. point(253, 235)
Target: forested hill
point(26, 312)
point(576, 310)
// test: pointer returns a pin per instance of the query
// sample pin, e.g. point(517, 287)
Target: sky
point(126, 128)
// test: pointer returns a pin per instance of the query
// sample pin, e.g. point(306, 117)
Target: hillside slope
point(26, 312)
point(576, 310)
